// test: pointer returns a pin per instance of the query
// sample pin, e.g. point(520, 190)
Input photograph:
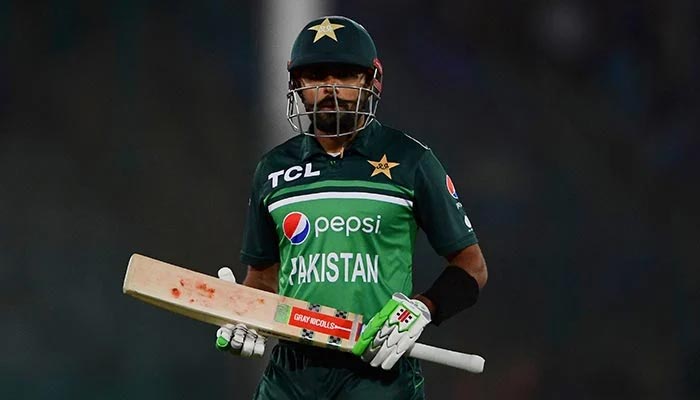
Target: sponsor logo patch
point(296, 227)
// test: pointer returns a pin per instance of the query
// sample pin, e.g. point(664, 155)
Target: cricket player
point(332, 220)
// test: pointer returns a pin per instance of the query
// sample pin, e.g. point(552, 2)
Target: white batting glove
point(402, 326)
point(238, 339)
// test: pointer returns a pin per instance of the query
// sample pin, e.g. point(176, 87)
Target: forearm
point(263, 278)
point(458, 286)
point(428, 303)
point(471, 260)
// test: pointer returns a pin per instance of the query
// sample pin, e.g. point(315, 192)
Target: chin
point(328, 123)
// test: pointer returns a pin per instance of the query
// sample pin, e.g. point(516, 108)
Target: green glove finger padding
point(373, 326)
point(222, 343)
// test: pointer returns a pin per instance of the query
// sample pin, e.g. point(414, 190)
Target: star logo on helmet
point(325, 28)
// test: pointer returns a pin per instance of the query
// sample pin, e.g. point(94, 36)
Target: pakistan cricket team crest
point(382, 166)
point(325, 28)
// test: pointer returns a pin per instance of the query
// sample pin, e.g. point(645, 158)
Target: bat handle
point(467, 362)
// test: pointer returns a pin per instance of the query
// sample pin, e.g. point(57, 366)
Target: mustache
point(330, 102)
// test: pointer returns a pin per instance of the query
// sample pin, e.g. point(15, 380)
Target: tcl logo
point(292, 173)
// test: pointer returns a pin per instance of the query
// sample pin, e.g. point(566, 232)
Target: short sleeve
point(438, 209)
point(260, 241)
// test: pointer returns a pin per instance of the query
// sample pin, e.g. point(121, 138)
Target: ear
point(368, 76)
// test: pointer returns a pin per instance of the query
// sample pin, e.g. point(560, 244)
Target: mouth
point(329, 104)
point(332, 107)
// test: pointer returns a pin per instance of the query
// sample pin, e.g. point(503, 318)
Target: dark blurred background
point(570, 128)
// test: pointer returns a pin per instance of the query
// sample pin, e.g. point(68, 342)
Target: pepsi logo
point(296, 227)
point(451, 187)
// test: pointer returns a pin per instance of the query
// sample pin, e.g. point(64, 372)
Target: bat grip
point(467, 362)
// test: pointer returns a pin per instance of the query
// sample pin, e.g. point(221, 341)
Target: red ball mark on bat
point(175, 292)
point(191, 300)
point(261, 301)
point(209, 292)
point(182, 282)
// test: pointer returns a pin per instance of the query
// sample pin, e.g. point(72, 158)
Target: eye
point(313, 75)
point(320, 73)
point(345, 74)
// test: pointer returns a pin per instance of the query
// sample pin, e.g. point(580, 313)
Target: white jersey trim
point(417, 141)
point(340, 195)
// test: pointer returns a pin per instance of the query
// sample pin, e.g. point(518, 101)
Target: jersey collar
point(361, 144)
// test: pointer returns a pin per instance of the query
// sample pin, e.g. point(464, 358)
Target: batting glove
point(392, 331)
point(238, 339)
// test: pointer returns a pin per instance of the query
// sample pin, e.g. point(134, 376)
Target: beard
point(327, 120)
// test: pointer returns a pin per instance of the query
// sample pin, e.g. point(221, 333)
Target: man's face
point(347, 98)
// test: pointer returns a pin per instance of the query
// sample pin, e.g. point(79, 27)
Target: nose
point(330, 80)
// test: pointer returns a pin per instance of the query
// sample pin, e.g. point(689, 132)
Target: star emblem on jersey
point(325, 28)
point(382, 166)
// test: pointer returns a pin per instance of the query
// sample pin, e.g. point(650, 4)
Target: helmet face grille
point(338, 121)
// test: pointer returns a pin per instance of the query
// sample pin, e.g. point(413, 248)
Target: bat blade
point(218, 302)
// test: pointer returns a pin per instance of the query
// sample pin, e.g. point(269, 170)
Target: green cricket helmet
point(334, 41)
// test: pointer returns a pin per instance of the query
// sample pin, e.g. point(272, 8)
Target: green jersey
point(343, 228)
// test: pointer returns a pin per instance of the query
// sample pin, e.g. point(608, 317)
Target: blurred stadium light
point(281, 22)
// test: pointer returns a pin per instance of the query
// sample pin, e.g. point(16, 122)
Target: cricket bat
point(219, 302)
